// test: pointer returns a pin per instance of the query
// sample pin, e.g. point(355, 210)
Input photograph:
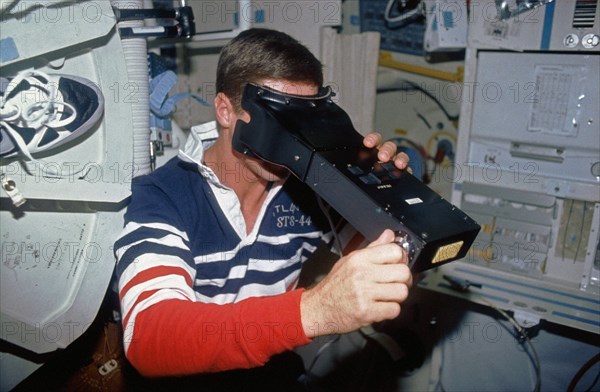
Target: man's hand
point(364, 287)
point(387, 150)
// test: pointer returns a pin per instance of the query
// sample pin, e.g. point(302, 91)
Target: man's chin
point(267, 171)
point(275, 173)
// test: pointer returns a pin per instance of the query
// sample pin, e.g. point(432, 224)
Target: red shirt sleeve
point(177, 337)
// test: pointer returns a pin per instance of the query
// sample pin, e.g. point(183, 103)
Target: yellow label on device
point(447, 252)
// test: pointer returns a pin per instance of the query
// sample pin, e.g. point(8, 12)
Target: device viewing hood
point(314, 138)
point(287, 129)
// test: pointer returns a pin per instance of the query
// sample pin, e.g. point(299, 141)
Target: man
point(207, 268)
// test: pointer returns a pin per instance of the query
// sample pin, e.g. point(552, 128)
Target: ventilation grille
point(585, 12)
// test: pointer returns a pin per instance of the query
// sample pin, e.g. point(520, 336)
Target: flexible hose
point(135, 52)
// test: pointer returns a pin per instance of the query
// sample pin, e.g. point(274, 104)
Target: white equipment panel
point(57, 257)
point(528, 170)
point(535, 25)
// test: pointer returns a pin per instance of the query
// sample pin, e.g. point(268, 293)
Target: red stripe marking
point(154, 272)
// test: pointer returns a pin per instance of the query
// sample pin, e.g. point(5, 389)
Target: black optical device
point(315, 139)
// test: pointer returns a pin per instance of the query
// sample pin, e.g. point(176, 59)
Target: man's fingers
point(384, 238)
point(401, 161)
point(386, 151)
point(396, 292)
point(391, 273)
point(385, 310)
point(373, 139)
point(389, 253)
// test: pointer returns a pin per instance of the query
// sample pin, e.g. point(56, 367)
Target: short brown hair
point(258, 54)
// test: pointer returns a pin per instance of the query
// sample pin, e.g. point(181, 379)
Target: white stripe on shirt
point(168, 240)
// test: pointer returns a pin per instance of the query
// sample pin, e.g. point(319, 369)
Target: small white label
point(148, 30)
point(414, 200)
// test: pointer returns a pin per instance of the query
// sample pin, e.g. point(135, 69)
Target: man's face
point(258, 167)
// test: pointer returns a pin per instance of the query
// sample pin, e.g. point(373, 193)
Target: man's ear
point(224, 111)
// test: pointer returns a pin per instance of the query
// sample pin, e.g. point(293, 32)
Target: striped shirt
point(185, 257)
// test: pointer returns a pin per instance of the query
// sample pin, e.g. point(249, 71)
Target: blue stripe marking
point(144, 233)
point(580, 319)
point(233, 286)
point(8, 50)
point(281, 254)
point(131, 255)
point(554, 313)
point(547, 32)
point(479, 293)
point(556, 292)
point(543, 299)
